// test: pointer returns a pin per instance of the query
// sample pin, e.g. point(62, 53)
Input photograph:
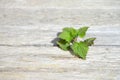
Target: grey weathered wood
point(43, 34)
point(23, 56)
point(51, 63)
point(27, 28)
point(26, 16)
point(91, 4)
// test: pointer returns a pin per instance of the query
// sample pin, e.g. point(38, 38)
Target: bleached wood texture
point(90, 4)
point(28, 28)
point(51, 63)
point(44, 35)
point(26, 53)
point(38, 16)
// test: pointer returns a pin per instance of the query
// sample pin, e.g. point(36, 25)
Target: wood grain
point(43, 35)
point(26, 16)
point(37, 62)
point(28, 29)
point(83, 4)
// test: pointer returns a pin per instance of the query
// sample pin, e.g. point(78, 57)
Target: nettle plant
point(72, 40)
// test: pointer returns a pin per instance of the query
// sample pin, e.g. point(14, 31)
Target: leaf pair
point(68, 41)
point(68, 34)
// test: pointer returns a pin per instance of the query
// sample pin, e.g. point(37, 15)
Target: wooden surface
point(28, 29)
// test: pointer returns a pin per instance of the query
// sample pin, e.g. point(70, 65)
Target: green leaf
point(89, 41)
point(72, 31)
point(65, 36)
point(68, 40)
point(82, 31)
point(68, 34)
point(80, 49)
point(63, 44)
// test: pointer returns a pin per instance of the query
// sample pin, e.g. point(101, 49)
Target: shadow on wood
point(54, 41)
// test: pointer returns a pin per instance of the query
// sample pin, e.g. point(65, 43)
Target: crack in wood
point(42, 45)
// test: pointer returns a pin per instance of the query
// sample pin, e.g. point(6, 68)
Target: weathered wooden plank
point(44, 35)
point(90, 4)
point(51, 63)
point(59, 16)
point(59, 76)
point(27, 28)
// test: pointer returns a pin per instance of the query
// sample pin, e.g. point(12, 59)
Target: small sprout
point(72, 39)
